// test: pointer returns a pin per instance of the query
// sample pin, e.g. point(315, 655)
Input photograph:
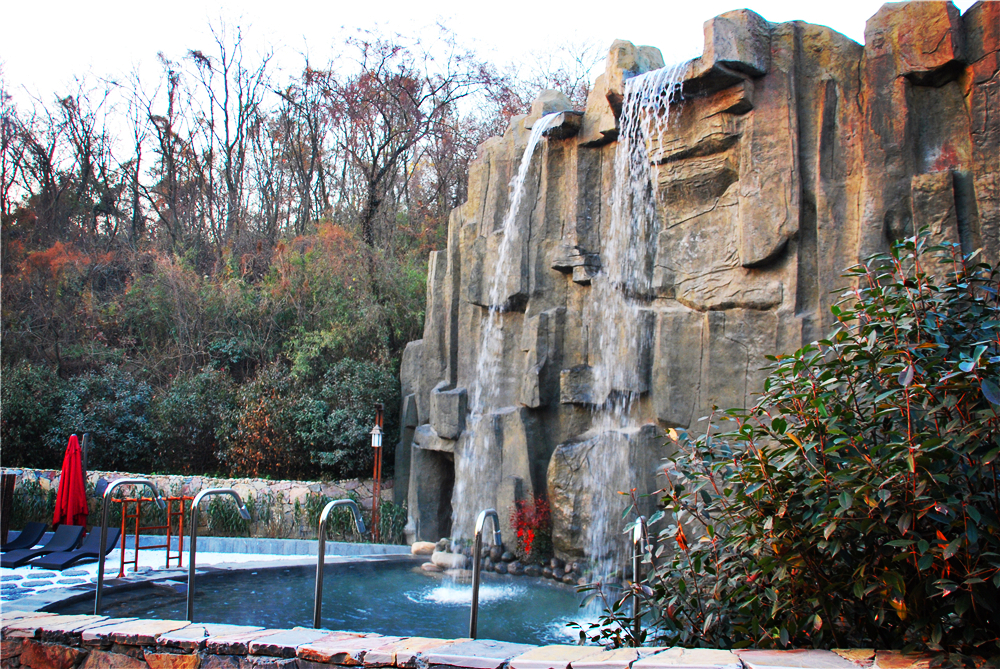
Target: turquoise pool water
point(389, 599)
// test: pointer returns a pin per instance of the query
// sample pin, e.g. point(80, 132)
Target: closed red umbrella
point(71, 499)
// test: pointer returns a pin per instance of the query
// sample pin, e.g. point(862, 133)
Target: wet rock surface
point(791, 153)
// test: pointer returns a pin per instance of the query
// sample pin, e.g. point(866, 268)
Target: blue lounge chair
point(29, 536)
point(66, 538)
point(88, 551)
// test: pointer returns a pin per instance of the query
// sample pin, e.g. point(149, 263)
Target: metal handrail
point(321, 550)
point(477, 563)
point(104, 529)
point(639, 532)
point(193, 548)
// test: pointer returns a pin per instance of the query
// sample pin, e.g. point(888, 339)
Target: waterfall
point(479, 441)
point(618, 291)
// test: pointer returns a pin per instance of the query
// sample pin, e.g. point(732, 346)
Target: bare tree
point(231, 115)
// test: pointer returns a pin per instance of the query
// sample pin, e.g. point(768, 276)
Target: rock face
point(791, 153)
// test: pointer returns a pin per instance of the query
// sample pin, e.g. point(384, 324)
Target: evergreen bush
point(856, 504)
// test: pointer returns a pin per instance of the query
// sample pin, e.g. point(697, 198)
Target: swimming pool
point(387, 598)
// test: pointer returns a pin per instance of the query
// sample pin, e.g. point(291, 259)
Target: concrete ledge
point(40, 640)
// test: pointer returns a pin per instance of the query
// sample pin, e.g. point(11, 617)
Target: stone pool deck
point(47, 641)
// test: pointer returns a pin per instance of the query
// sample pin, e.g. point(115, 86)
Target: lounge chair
point(29, 536)
point(88, 551)
point(66, 538)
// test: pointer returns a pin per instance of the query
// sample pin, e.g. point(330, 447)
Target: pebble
point(34, 583)
point(556, 563)
point(501, 567)
point(11, 577)
point(76, 572)
point(533, 570)
point(568, 579)
point(508, 556)
point(71, 581)
point(495, 553)
point(430, 566)
point(515, 568)
point(547, 571)
point(558, 574)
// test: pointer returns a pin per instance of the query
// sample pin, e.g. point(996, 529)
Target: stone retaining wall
point(291, 496)
point(46, 641)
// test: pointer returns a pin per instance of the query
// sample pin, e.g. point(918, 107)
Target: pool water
point(388, 599)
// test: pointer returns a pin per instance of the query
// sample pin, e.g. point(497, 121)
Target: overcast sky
point(47, 42)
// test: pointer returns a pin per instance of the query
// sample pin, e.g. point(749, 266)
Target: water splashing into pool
point(473, 459)
point(451, 593)
point(618, 295)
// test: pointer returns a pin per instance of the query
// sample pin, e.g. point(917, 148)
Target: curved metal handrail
point(639, 533)
point(193, 549)
point(104, 529)
point(321, 550)
point(477, 563)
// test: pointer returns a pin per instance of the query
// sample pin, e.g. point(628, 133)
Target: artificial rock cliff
point(792, 153)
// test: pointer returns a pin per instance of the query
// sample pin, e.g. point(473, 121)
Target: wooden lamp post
point(377, 486)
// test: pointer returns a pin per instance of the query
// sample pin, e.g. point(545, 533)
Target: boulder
point(422, 548)
point(449, 560)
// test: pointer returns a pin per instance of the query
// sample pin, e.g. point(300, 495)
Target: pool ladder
point(639, 533)
point(193, 548)
point(104, 529)
point(477, 563)
point(321, 550)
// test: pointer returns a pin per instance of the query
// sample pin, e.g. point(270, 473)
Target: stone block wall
point(46, 641)
point(792, 153)
point(289, 498)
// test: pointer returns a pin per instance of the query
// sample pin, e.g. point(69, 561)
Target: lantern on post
point(377, 485)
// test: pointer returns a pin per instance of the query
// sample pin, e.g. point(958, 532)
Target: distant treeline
point(216, 272)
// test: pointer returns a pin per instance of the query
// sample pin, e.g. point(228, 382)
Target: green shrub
point(186, 417)
point(113, 406)
point(336, 419)
point(30, 397)
point(855, 505)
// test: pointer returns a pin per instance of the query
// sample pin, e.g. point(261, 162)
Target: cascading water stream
point(618, 292)
point(472, 462)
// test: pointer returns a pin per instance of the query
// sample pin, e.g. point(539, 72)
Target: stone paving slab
point(620, 658)
point(476, 654)
point(236, 644)
point(862, 657)
point(793, 659)
point(195, 636)
point(97, 634)
point(405, 652)
point(285, 642)
point(891, 659)
point(66, 629)
point(24, 628)
point(343, 648)
point(550, 657)
point(9, 617)
point(690, 658)
point(133, 632)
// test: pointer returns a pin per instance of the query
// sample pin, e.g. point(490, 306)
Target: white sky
point(47, 42)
